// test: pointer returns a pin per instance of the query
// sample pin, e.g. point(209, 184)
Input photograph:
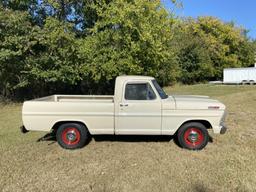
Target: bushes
point(206, 46)
point(81, 46)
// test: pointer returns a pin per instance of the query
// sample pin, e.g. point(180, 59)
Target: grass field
point(136, 163)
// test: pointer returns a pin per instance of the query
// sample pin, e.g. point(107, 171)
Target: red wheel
point(72, 135)
point(193, 136)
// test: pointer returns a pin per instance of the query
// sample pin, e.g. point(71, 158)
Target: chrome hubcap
point(193, 136)
point(71, 135)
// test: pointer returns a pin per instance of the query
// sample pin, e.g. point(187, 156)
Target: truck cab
point(138, 106)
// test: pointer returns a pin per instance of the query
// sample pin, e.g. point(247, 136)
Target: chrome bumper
point(223, 129)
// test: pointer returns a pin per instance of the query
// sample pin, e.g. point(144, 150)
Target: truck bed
point(77, 98)
point(97, 112)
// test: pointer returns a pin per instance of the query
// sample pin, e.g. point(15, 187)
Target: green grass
point(208, 89)
point(226, 164)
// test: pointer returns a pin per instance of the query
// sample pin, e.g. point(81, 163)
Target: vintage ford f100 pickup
point(139, 106)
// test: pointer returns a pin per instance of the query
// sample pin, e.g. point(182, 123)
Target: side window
point(139, 91)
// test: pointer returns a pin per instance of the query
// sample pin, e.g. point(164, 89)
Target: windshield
point(160, 91)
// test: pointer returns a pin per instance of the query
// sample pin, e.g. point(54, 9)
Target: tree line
point(80, 46)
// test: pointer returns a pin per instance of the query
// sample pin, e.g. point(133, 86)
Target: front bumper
point(223, 129)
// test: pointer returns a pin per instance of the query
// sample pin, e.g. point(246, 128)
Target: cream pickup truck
point(138, 107)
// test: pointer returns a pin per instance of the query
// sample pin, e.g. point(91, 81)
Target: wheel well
point(204, 122)
point(56, 125)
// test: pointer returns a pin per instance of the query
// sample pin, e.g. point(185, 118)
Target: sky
point(243, 13)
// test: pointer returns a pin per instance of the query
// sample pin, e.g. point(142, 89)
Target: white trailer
point(239, 75)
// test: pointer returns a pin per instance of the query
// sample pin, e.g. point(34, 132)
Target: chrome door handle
point(123, 105)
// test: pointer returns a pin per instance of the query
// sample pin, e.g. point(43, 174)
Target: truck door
point(139, 111)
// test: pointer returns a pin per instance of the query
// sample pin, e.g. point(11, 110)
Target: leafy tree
point(226, 43)
point(16, 42)
point(54, 64)
point(34, 59)
point(18, 5)
point(205, 46)
point(75, 46)
point(130, 37)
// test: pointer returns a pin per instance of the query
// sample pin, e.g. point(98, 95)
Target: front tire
point(193, 136)
point(72, 135)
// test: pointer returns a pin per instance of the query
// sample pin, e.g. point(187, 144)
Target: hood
point(197, 102)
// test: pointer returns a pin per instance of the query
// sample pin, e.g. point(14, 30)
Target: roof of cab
point(134, 77)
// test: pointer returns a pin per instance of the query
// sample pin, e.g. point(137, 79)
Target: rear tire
point(72, 135)
point(193, 136)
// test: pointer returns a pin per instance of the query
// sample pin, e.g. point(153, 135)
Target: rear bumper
point(23, 129)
